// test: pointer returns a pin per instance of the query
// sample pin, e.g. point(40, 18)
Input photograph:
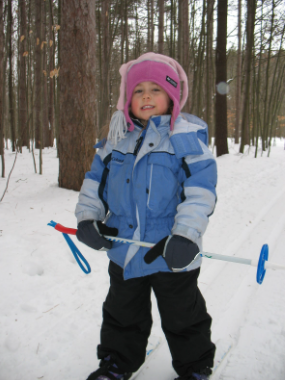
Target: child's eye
point(138, 91)
point(156, 89)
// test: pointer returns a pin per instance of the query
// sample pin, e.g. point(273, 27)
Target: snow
point(50, 311)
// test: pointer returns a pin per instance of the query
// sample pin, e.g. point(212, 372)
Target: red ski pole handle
point(65, 230)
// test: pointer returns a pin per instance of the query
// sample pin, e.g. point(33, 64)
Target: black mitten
point(177, 251)
point(90, 233)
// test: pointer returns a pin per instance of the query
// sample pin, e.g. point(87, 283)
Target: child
point(153, 180)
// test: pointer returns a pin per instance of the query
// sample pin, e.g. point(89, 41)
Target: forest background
point(60, 60)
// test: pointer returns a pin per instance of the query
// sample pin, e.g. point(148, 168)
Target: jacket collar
point(158, 121)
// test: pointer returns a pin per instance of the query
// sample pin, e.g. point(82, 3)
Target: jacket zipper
point(149, 186)
point(138, 144)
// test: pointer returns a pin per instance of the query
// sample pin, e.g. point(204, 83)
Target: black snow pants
point(185, 322)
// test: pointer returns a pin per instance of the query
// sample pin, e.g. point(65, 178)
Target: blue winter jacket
point(152, 184)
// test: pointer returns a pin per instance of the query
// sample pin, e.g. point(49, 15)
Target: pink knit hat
point(157, 68)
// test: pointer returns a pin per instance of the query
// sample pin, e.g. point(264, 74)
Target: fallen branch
point(50, 309)
point(9, 176)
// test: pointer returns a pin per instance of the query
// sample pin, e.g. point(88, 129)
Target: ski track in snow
point(50, 312)
point(233, 319)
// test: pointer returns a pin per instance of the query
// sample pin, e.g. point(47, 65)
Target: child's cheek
point(135, 106)
point(162, 103)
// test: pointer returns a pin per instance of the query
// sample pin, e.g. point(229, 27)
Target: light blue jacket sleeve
point(92, 203)
point(199, 187)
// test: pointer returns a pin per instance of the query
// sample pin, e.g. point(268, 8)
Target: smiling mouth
point(147, 107)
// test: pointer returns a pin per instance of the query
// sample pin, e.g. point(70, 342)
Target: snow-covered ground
point(50, 311)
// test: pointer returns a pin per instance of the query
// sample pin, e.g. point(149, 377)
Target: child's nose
point(146, 95)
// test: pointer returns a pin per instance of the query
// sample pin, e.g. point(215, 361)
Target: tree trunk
point(122, 30)
point(77, 92)
point(238, 88)
point(251, 6)
point(185, 29)
point(38, 76)
point(258, 86)
point(105, 62)
point(30, 79)
point(1, 90)
point(58, 82)
point(11, 94)
point(209, 68)
point(148, 26)
point(160, 26)
point(99, 64)
point(23, 131)
point(266, 108)
point(137, 44)
point(275, 95)
point(180, 35)
point(127, 30)
point(171, 45)
point(51, 44)
point(198, 80)
point(185, 44)
point(45, 123)
point(152, 25)
point(221, 80)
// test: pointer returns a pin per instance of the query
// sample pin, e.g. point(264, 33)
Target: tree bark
point(266, 108)
point(122, 30)
point(105, 62)
point(137, 44)
point(171, 45)
point(1, 90)
point(51, 44)
point(30, 78)
point(180, 35)
point(23, 127)
point(209, 68)
point(258, 86)
point(127, 30)
point(161, 26)
point(275, 94)
point(251, 6)
point(45, 124)
point(185, 25)
point(238, 88)
point(58, 83)
point(77, 92)
point(198, 80)
point(99, 69)
point(38, 76)
point(221, 80)
point(11, 94)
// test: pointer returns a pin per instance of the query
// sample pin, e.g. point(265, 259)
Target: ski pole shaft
point(232, 259)
point(129, 241)
point(215, 256)
point(262, 264)
point(270, 265)
point(240, 260)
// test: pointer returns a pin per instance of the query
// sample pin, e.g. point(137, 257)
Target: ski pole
point(81, 261)
point(262, 263)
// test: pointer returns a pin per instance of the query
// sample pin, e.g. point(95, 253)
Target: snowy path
point(50, 311)
point(258, 351)
point(244, 310)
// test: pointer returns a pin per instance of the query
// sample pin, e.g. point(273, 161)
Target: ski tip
point(223, 347)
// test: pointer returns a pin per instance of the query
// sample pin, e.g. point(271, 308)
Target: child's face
point(149, 99)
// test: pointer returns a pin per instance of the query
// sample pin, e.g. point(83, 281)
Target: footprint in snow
point(12, 343)
point(32, 269)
